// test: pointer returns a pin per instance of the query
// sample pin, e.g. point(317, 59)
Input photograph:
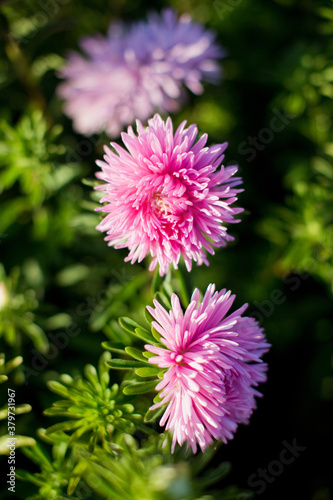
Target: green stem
point(184, 296)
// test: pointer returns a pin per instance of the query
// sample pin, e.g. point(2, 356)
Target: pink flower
point(3, 295)
point(133, 72)
point(213, 363)
point(167, 196)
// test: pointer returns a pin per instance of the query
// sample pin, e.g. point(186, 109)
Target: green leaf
point(214, 475)
point(148, 316)
point(136, 354)
point(150, 371)
point(55, 411)
point(148, 354)
point(157, 398)
point(123, 364)
point(143, 334)
point(128, 324)
point(92, 375)
point(27, 476)
point(156, 335)
point(58, 388)
point(64, 426)
point(139, 388)
point(163, 300)
point(72, 484)
point(114, 347)
point(37, 455)
point(157, 280)
point(182, 288)
point(152, 415)
point(135, 329)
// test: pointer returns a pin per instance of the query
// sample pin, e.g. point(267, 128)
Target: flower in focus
point(213, 363)
point(133, 72)
point(165, 195)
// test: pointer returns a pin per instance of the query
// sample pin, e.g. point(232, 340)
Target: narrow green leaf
point(157, 280)
point(163, 300)
point(72, 484)
point(60, 412)
point(37, 455)
point(27, 476)
point(64, 426)
point(91, 374)
point(150, 371)
point(114, 347)
point(148, 316)
point(156, 335)
point(58, 388)
point(143, 334)
point(167, 289)
point(182, 288)
point(214, 475)
point(148, 354)
point(157, 398)
point(139, 388)
point(128, 324)
point(13, 363)
point(123, 364)
point(152, 415)
point(136, 354)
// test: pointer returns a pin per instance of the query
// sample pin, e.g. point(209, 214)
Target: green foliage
point(5, 370)
point(126, 471)
point(139, 364)
point(17, 317)
point(146, 473)
point(29, 157)
point(302, 230)
point(91, 407)
point(58, 478)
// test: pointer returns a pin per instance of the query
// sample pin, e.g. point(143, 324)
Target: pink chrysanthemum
point(167, 196)
point(133, 72)
point(214, 364)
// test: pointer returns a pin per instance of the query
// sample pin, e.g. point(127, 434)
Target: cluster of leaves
point(302, 230)
point(125, 472)
point(17, 318)
point(32, 169)
point(5, 369)
point(92, 407)
point(135, 360)
point(93, 450)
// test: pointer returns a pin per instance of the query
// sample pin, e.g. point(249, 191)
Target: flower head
point(133, 72)
point(213, 363)
point(165, 195)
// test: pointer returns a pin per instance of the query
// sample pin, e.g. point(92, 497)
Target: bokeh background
point(57, 269)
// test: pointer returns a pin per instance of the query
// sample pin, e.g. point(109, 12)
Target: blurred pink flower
point(167, 196)
point(131, 73)
point(213, 363)
point(3, 295)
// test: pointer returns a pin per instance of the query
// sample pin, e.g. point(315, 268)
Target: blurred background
point(274, 108)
